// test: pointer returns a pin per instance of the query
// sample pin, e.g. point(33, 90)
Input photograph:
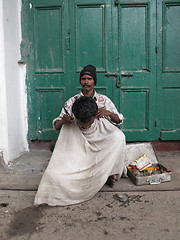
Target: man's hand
point(104, 113)
point(67, 120)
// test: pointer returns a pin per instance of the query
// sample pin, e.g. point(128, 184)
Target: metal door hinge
point(116, 2)
point(117, 76)
point(21, 61)
point(156, 49)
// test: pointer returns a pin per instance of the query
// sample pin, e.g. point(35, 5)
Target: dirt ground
point(145, 215)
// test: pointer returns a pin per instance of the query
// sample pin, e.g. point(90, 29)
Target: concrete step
point(25, 173)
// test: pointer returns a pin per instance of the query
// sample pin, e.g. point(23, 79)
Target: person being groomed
point(88, 152)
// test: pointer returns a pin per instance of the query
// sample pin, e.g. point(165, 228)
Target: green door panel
point(92, 42)
point(169, 69)
point(46, 55)
point(48, 104)
point(48, 47)
point(90, 48)
point(135, 34)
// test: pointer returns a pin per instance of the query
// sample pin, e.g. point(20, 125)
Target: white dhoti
point(81, 163)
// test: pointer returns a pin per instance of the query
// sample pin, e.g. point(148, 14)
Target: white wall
point(3, 117)
point(13, 114)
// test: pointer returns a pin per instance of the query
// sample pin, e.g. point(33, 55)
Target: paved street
point(146, 215)
point(150, 212)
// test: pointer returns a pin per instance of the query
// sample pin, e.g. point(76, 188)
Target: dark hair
point(84, 108)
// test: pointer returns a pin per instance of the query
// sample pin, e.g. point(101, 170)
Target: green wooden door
point(59, 39)
point(134, 31)
point(168, 66)
point(130, 42)
point(91, 41)
point(45, 49)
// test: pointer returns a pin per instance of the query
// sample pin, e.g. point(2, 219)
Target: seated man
point(87, 152)
point(106, 108)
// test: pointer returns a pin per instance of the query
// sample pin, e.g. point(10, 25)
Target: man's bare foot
point(111, 180)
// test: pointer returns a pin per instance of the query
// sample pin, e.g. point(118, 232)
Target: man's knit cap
point(89, 70)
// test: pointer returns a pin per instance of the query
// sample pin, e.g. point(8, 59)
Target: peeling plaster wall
point(13, 113)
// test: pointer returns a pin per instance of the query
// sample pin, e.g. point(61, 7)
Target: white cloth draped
point(81, 163)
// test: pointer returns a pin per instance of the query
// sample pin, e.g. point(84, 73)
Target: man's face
point(85, 125)
point(87, 83)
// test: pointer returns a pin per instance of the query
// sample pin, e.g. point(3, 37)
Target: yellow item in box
point(141, 163)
